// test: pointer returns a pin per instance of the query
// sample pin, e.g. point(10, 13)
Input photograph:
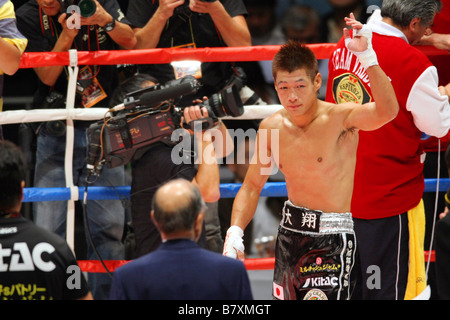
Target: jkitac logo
point(259, 148)
point(321, 282)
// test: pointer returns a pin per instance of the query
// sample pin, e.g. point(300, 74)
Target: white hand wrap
point(233, 242)
point(368, 57)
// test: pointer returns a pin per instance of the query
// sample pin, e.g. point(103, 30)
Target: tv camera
point(150, 115)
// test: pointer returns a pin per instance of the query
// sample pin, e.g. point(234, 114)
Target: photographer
point(190, 24)
point(154, 165)
point(45, 24)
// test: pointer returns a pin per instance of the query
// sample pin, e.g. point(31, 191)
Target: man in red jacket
point(389, 180)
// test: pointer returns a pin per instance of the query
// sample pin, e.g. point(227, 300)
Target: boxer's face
point(297, 91)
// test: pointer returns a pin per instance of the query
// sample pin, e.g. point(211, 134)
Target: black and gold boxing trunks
point(314, 255)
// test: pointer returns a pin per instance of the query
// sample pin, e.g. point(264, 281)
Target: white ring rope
point(92, 114)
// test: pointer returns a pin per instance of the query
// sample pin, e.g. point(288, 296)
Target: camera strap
point(88, 87)
point(47, 27)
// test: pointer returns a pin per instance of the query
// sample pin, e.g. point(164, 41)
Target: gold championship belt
point(348, 88)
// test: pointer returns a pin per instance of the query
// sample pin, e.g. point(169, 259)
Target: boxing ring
point(73, 59)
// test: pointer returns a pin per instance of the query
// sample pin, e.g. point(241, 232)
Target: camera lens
point(56, 128)
point(214, 105)
point(87, 8)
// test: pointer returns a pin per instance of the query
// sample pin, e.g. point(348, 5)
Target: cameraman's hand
point(101, 17)
point(191, 114)
point(166, 7)
point(69, 32)
point(202, 6)
point(121, 34)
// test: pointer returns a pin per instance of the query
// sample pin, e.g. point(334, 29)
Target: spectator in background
point(321, 6)
point(44, 24)
point(333, 22)
point(12, 45)
point(302, 23)
point(262, 23)
point(179, 269)
point(36, 263)
point(265, 30)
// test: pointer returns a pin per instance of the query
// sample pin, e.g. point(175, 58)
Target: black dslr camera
point(87, 7)
point(151, 115)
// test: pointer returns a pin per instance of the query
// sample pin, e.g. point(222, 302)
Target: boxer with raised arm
point(317, 154)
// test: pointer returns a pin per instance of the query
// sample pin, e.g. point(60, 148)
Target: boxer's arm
point(373, 115)
point(370, 116)
point(246, 200)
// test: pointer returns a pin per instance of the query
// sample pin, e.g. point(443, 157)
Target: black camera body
point(56, 128)
point(87, 7)
point(151, 115)
point(117, 143)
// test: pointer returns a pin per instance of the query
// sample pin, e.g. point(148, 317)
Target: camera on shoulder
point(151, 115)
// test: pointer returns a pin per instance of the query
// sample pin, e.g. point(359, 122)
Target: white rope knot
point(73, 57)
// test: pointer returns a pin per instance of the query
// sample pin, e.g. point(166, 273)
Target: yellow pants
point(417, 281)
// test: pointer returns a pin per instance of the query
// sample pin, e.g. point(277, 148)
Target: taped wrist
point(234, 242)
point(368, 57)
